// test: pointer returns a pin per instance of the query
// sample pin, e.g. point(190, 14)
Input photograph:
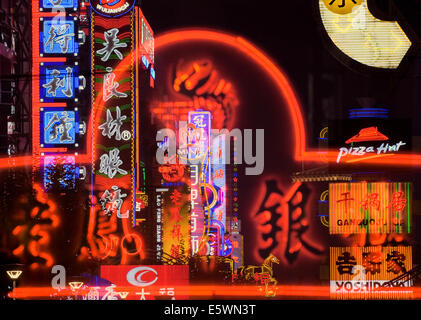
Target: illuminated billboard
point(361, 272)
point(59, 36)
point(370, 207)
point(59, 82)
point(53, 4)
point(176, 210)
point(362, 37)
point(151, 282)
point(113, 97)
point(147, 40)
point(59, 127)
point(368, 137)
point(112, 8)
point(60, 170)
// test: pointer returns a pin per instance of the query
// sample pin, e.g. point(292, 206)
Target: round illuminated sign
point(342, 6)
point(112, 8)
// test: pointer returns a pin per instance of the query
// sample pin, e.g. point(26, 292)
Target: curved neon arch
point(257, 56)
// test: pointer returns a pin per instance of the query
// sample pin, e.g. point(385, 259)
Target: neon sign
point(59, 81)
point(151, 282)
point(59, 36)
point(365, 135)
point(52, 4)
point(362, 37)
point(361, 272)
point(363, 207)
point(112, 8)
point(59, 127)
point(62, 165)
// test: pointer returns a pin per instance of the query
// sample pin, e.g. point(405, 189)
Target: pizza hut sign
point(368, 134)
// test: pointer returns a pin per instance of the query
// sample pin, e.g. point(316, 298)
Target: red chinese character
point(263, 278)
point(398, 202)
point(175, 232)
point(175, 197)
point(219, 174)
point(372, 261)
point(175, 214)
point(345, 199)
point(371, 201)
point(175, 251)
point(395, 262)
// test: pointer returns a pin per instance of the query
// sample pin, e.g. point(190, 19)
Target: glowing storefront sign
point(59, 127)
point(61, 168)
point(112, 8)
point(112, 123)
point(59, 36)
point(113, 147)
point(147, 40)
point(361, 272)
point(58, 82)
point(365, 136)
point(176, 220)
point(55, 127)
point(363, 207)
point(358, 140)
point(151, 282)
point(198, 142)
point(196, 211)
point(361, 36)
point(52, 4)
point(197, 146)
point(218, 211)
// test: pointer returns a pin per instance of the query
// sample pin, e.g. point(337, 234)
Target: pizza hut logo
point(369, 134)
point(112, 8)
point(142, 276)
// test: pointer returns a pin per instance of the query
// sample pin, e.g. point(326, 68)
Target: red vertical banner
point(110, 234)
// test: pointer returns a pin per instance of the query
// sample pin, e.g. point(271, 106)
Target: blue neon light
point(59, 127)
point(66, 164)
point(51, 4)
point(58, 81)
point(59, 36)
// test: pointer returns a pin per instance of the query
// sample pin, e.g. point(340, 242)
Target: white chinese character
point(58, 35)
point(115, 199)
point(142, 294)
point(111, 44)
point(110, 164)
point(112, 126)
point(110, 295)
point(110, 86)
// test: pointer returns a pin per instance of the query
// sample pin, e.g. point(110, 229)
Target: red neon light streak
point(211, 291)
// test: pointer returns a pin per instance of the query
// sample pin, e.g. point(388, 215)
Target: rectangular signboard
point(152, 282)
point(370, 207)
point(361, 272)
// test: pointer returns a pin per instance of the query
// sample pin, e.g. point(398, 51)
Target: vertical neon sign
point(199, 157)
point(55, 85)
point(113, 147)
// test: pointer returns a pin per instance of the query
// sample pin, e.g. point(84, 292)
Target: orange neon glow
point(208, 291)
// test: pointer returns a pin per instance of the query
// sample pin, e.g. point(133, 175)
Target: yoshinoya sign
point(364, 272)
point(112, 8)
